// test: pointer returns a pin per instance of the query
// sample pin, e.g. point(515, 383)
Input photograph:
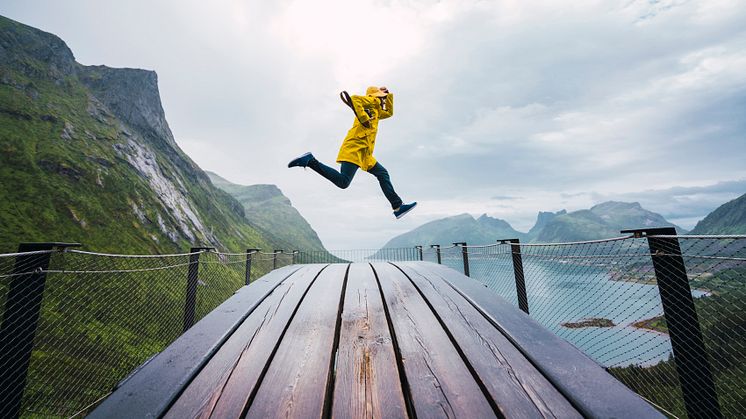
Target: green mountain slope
point(602, 221)
point(464, 227)
point(87, 155)
point(272, 212)
point(729, 218)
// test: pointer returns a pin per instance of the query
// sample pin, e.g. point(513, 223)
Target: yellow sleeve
point(388, 112)
point(359, 105)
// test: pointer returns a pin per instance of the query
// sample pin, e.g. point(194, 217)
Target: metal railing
point(665, 314)
point(75, 323)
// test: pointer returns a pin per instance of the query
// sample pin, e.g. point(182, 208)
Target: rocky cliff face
point(132, 96)
point(542, 220)
point(87, 155)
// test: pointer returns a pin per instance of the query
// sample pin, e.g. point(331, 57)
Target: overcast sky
point(505, 108)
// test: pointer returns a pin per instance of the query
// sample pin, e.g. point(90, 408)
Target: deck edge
point(150, 391)
point(587, 385)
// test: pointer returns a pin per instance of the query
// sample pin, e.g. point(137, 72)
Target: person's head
point(375, 91)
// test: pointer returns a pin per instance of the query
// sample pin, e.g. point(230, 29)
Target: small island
point(592, 322)
point(655, 324)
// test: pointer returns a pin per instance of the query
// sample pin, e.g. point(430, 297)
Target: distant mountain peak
point(604, 220)
point(609, 205)
point(457, 228)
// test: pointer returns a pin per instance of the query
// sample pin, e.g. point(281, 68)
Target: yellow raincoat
point(357, 147)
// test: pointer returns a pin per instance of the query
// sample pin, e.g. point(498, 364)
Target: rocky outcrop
point(19, 42)
point(132, 96)
point(98, 136)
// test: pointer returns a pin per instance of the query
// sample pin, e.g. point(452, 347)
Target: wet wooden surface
point(367, 383)
point(381, 340)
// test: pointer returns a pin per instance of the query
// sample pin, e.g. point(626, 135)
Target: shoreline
point(589, 322)
point(653, 324)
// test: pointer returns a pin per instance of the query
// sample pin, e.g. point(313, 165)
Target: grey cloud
point(558, 105)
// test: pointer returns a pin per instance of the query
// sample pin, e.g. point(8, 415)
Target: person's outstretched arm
point(388, 110)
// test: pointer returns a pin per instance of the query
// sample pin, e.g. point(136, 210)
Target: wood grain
point(367, 381)
point(440, 383)
point(592, 390)
point(519, 390)
point(229, 375)
point(297, 380)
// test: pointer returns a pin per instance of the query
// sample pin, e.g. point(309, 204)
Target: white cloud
point(560, 103)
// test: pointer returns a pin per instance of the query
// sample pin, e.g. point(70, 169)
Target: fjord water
point(562, 293)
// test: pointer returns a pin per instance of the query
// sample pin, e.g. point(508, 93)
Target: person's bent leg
point(384, 180)
point(342, 178)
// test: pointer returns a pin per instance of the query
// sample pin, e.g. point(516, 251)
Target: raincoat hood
point(374, 91)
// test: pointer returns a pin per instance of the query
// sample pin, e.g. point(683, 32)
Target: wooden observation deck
point(381, 340)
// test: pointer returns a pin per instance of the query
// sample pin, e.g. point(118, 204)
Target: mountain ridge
point(268, 209)
point(88, 156)
point(462, 227)
point(729, 218)
point(603, 220)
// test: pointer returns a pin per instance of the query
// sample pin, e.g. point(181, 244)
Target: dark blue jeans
point(343, 178)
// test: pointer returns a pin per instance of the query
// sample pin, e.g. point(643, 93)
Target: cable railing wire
point(103, 315)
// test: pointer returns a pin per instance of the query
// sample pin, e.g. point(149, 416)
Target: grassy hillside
point(87, 156)
point(729, 218)
point(722, 318)
point(266, 208)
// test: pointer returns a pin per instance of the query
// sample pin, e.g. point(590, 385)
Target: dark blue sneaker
point(301, 161)
point(404, 209)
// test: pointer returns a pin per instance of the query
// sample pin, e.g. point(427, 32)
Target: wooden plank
point(518, 389)
point(593, 391)
point(439, 382)
point(150, 391)
point(298, 377)
point(367, 381)
point(244, 355)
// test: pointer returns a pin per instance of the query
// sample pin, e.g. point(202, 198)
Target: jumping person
point(357, 148)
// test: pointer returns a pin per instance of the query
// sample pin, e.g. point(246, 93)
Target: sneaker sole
point(405, 212)
point(299, 157)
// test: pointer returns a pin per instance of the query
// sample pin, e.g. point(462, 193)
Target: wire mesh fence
point(607, 298)
point(100, 316)
point(359, 255)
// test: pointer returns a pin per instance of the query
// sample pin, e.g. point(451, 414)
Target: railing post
point(690, 356)
point(520, 280)
point(437, 251)
point(190, 302)
point(20, 320)
point(419, 252)
point(465, 255)
point(249, 254)
point(296, 253)
point(274, 257)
